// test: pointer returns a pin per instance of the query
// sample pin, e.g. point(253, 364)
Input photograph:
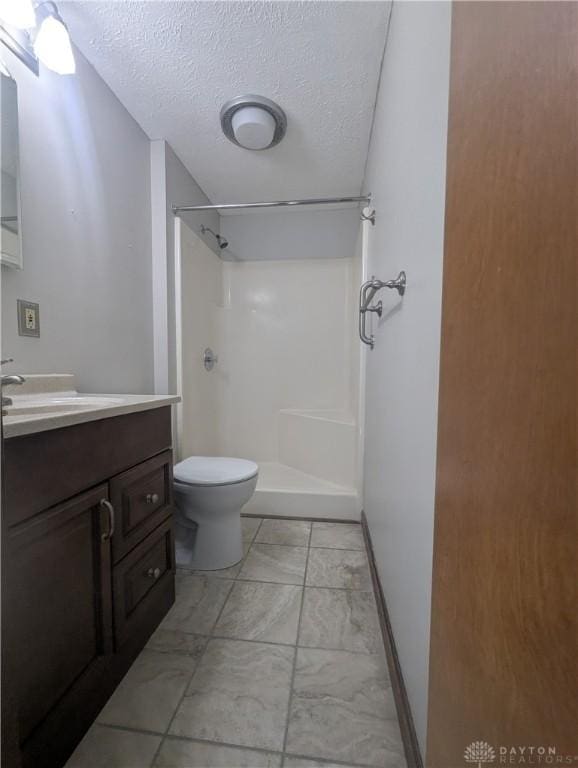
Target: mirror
point(10, 221)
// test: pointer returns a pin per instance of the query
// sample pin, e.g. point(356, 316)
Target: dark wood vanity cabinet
point(88, 576)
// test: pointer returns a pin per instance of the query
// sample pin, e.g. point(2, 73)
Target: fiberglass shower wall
point(284, 392)
point(199, 300)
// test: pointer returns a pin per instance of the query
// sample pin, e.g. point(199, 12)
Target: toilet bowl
point(209, 495)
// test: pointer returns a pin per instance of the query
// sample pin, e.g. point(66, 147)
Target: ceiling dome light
point(253, 122)
point(52, 43)
point(254, 128)
point(18, 13)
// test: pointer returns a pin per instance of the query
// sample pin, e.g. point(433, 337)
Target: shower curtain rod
point(272, 204)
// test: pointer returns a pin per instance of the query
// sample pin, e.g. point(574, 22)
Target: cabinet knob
point(154, 573)
point(152, 498)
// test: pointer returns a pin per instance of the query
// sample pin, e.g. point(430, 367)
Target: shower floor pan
point(283, 491)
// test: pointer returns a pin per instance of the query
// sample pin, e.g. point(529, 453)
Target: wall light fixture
point(52, 42)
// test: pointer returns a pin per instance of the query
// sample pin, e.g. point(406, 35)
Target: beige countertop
point(50, 401)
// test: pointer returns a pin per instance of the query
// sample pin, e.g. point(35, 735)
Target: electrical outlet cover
point(28, 318)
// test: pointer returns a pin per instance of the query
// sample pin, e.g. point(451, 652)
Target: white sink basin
point(47, 405)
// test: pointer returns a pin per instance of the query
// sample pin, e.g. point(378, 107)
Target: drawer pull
point(110, 509)
point(152, 498)
point(154, 573)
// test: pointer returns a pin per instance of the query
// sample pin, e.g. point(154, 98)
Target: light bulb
point(18, 13)
point(52, 46)
point(254, 128)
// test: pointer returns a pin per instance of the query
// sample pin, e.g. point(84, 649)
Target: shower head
point(223, 243)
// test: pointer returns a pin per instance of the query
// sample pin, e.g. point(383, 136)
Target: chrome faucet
point(6, 381)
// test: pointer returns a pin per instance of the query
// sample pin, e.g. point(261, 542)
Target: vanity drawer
point(142, 498)
point(140, 577)
point(47, 468)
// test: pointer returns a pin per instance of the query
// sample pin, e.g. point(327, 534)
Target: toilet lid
point(213, 470)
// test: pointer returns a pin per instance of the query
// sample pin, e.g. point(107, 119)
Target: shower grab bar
point(366, 295)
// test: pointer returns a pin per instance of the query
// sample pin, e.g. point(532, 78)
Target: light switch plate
point(28, 318)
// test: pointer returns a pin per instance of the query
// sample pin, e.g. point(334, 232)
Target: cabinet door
point(61, 605)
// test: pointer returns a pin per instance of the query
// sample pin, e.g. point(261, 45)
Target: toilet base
point(212, 546)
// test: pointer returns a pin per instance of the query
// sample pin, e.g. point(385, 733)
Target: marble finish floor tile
point(340, 619)
point(175, 641)
point(294, 533)
point(266, 612)
point(305, 762)
point(342, 709)
point(228, 573)
point(338, 568)
point(178, 753)
point(271, 562)
point(198, 603)
point(249, 527)
point(238, 695)
point(337, 536)
point(150, 691)
point(104, 747)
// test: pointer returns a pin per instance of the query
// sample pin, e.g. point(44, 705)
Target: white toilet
point(209, 494)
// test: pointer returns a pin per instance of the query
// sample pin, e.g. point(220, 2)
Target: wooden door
point(504, 638)
point(61, 610)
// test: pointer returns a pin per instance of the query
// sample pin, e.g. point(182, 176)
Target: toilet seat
point(214, 470)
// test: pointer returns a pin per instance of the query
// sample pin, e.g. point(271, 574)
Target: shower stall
point(269, 364)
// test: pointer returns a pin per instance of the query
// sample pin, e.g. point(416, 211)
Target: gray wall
point(406, 173)
point(85, 183)
point(291, 234)
point(182, 188)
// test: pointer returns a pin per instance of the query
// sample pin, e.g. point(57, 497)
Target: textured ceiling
point(173, 64)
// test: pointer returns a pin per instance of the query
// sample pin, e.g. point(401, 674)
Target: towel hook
point(366, 294)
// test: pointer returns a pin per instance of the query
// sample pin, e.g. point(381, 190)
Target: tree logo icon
point(479, 752)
